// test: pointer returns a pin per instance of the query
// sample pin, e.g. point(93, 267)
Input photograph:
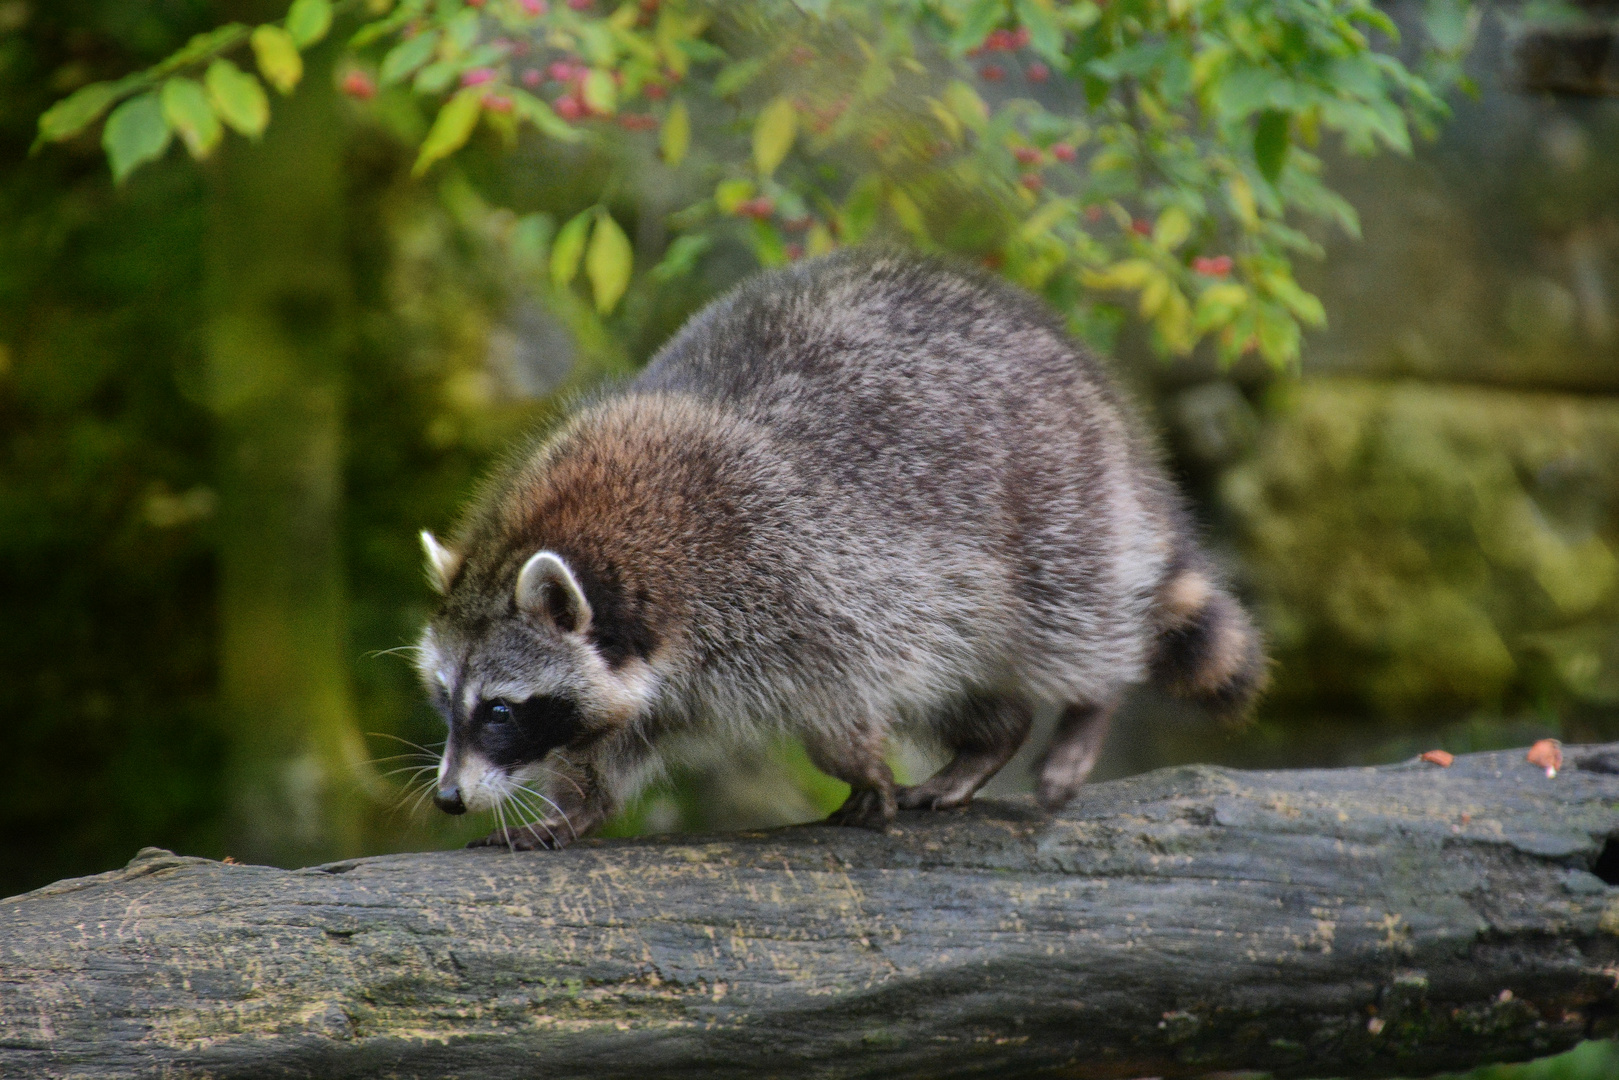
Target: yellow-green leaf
point(675, 138)
point(278, 57)
point(907, 213)
point(238, 98)
point(569, 246)
point(1242, 201)
point(1129, 274)
point(1042, 220)
point(451, 129)
point(600, 92)
point(608, 263)
point(186, 108)
point(136, 133)
point(820, 240)
point(76, 112)
point(1174, 226)
point(969, 108)
point(730, 194)
point(308, 21)
point(773, 134)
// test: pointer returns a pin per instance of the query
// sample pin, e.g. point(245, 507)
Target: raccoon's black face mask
point(511, 734)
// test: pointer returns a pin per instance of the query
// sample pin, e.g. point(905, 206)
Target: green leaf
point(773, 134)
point(982, 17)
point(201, 47)
point(1270, 143)
point(539, 114)
point(451, 129)
point(530, 239)
point(569, 247)
point(675, 138)
point(733, 77)
point(681, 258)
point(278, 57)
point(308, 21)
point(600, 92)
point(186, 108)
point(1045, 37)
point(136, 133)
point(403, 59)
point(77, 111)
point(608, 263)
point(238, 98)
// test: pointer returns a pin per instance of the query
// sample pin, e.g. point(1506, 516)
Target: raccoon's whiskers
point(537, 813)
point(407, 742)
point(500, 815)
point(561, 813)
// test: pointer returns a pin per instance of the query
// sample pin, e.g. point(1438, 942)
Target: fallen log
point(1354, 922)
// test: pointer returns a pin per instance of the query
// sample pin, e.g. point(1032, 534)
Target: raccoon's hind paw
point(540, 837)
point(866, 808)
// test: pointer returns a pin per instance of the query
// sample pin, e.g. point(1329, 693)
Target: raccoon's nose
point(449, 800)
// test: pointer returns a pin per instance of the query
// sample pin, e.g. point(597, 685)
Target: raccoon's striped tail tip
point(1208, 650)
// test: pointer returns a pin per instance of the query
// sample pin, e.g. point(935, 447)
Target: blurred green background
point(1424, 516)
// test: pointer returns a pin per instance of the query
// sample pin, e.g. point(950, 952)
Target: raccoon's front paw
point(866, 808)
point(538, 837)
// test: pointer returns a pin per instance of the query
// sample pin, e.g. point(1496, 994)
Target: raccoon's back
point(942, 393)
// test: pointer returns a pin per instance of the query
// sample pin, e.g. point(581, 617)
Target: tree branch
point(1354, 922)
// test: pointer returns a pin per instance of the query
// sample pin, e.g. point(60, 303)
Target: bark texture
point(1357, 922)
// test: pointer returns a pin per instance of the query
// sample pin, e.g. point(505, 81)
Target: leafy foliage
point(1155, 154)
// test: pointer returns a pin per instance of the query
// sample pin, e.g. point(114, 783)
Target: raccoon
point(865, 494)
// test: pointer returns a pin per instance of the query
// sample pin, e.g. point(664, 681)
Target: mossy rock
point(1415, 547)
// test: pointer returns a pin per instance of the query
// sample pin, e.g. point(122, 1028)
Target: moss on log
point(1355, 922)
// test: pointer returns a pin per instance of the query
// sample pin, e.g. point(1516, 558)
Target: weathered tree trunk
point(280, 293)
point(1363, 922)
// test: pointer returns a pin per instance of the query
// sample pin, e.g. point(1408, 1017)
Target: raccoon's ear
point(547, 588)
point(442, 563)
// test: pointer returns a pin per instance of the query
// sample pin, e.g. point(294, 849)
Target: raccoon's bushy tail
point(1208, 649)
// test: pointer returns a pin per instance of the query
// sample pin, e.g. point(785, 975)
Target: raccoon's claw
point(928, 797)
point(866, 808)
point(541, 837)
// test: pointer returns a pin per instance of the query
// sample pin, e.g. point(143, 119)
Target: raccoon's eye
point(495, 712)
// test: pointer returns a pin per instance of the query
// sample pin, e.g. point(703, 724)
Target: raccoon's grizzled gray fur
point(864, 494)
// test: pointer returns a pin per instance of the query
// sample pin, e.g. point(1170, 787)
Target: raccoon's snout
point(448, 799)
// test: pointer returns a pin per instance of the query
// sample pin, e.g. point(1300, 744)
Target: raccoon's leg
point(984, 735)
point(858, 762)
point(1073, 752)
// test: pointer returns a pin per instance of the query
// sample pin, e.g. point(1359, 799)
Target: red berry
point(998, 41)
point(534, 7)
point(497, 103)
point(1021, 38)
point(1093, 214)
point(795, 251)
point(1027, 155)
point(569, 107)
point(477, 76)
point(1031, 181)
point(532, 78)
point(758, 208)
point(1037, 72)
point(637, 122)
point(560, 70)
point(358, 84)
point(992, 72)
point(1142, 226)
point(1063, 152)
point(798, 224)
point(475, 3)
point(994, 260)
point(655, 91)
point(1215, 266)
point(578, 5)
point(803, 54)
